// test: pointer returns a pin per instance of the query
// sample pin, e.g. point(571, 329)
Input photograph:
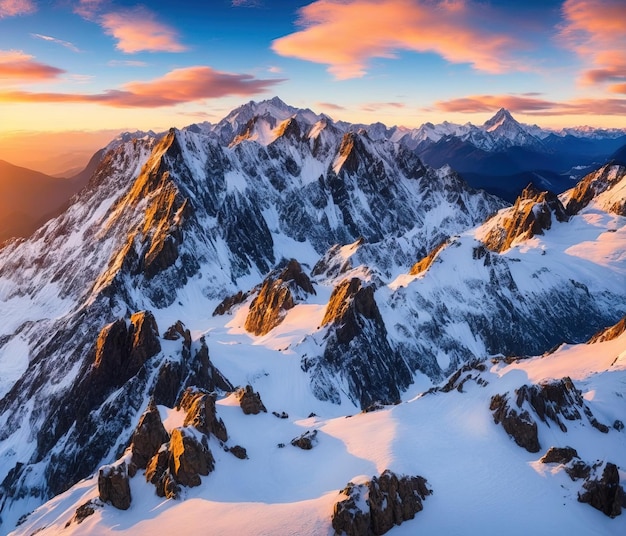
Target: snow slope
point(475, 470)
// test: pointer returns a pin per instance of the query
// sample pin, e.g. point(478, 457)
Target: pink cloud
point(138, 30)
point(532, 106)
point(618, 88)
point(12, 8)
point(596, 31)
point(176, 87)
point(17, 66)
point(347, 34)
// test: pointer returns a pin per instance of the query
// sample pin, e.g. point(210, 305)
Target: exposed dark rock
point(559, 455)
point(227, 304)
point(618, 425)
point(377, 506)
point(204, 374)
point(178, 331)
point(605, 494)
point(281, 415)
point(168, 383)
point(250, 401)
point(113, 486)
point(530, 216)
point(147, 438)
point(550, 401)
point(157, 471)
point(144, 342)
point(578, 469)
point(306, 441)
point(189, 458)
point(120, 351)
point(519, 426)
point(84, 511)
point(202, 414)
point(238, 452)
point(357, 350)
point(277, 295)
point(455, 381)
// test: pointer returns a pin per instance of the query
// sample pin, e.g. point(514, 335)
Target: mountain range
point(281, 261)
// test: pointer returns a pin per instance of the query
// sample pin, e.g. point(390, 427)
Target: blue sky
point(100, 64)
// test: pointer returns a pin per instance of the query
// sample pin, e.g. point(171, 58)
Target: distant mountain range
point(502, 156)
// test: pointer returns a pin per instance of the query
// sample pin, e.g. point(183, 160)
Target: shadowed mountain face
point(29, 198)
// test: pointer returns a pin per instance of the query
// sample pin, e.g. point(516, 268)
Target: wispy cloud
point(126, 63)
point(330, 106)
point(51, 39)
point(596, 31)
point(347, 34)
point(88, 9)
point(13, 8)
point(176, 87)
point(274, 69)
point(137, 30)
point(246, 3)
point(16, 66)
point(533, 106)
point(377, 106)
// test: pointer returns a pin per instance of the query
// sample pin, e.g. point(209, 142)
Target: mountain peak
point(502, 116)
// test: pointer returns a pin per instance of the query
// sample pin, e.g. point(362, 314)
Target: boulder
point(605, 494)
point(374, 507)
point(559, 455)
point(147, 438)
point(238, 452)
point(113, 486)
point(306, 441)
point(250, 401)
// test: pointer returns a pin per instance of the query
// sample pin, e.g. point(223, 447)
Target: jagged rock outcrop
point(610, 333)
point(121, 350)
point(278, 293)
point(374, 507)
point(595, 186)
point(559, 455)
point(227, 304)
point(518, 424)
point(84, 511)
point(425, 263)
point(202, 414)
point(550, 402)
point(113, 486)
point(182, 461)
point(357, 350)
point(190, 457)
point(605, 494)
point(472, 372)
point(178, 331)
point(250, 401)
point(531, 215)
point(147, 438)
point(306, 441)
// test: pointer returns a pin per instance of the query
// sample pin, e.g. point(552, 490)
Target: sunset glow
point(96, 65)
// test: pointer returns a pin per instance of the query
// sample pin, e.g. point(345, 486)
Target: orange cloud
point(596, 30)
point(176, 87)
point(533, 106)
point(138, 30)
point(12, 8)
point(17, 66)
point(618, 88)
point(347, 34)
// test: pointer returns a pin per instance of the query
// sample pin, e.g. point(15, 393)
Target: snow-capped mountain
point(503, 156)
point(324, 268)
